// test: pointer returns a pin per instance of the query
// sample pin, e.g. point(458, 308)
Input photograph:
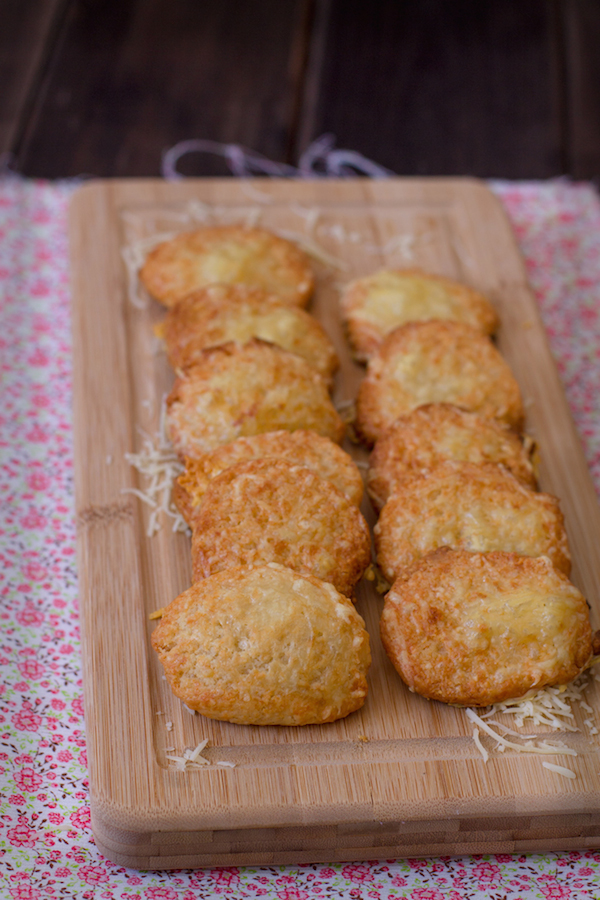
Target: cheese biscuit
point(228, 312)
point(235, 391)
point(468, 507)
point(265, 646)
point(474, 629)
point(435, 362)
point(269, 510)
point(376, 304)
point(439, 432)
point(228, 254)
point(305, 448)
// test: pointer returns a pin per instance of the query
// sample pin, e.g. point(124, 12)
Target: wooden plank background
point(497, 89)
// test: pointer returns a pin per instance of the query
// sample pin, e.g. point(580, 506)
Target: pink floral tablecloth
point(46, 846)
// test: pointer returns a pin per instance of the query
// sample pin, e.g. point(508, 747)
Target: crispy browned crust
point(467, 506)
point(220, 313)
point(473, 629)
point(439, 432)
point(236, 391)
point(305, 448)
point(436, 362)
point(269, 510)
point(265, 646)
point(374, 305)
point(230, 254)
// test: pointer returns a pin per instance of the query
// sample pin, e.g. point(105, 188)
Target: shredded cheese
point(561, 770)
point(255, 194)
point(198, 211)
point(310, 216)
point(159, 463)
point(193, 759)
point(550, 706)
point(194, 755)
point(528, 747)
point(402, 244)
point(480, 746)
point(337, 232)
point(312, 248)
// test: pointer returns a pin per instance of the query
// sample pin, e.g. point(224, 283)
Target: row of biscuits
point(267, 633)
point(480, 609)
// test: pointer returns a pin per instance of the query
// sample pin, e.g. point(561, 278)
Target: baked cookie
point(230, 312)
point(230, 254)
point(304, 448)
point(439, 432)
point(376, 304)
point(436, 362)
point(235, 391)
point(269, 510)
point(265, 646)
point(468, 507)
point(474, 629)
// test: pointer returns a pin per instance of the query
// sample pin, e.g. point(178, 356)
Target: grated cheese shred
point(550, 707)
point(527, 747)
point(192, 758)
point(402, 244)
point(480, 746)
point(561, 770)
point(310, 215)
point(312, 248)
point(160, 465)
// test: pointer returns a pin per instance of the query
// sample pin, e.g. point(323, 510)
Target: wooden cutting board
point(403, 776)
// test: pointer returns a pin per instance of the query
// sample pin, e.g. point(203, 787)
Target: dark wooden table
point(493, 88)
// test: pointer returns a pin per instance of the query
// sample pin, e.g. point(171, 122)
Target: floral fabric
point(47, 850)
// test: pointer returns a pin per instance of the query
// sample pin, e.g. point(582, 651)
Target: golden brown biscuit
point(376, 304)
point(269, 510)
point(439, 432)
point(478, 628)
point(305, 448)
point(435, 362)
point(265, 646)
point(220, 313)
point(235, 391)
point(229, 254)
point(468, 507)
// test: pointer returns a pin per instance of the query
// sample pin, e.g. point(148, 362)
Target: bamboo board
point(401, 777)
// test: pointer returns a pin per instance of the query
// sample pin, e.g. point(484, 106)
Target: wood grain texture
point(130, 79)
point(320, 792)
point(29, 29)
point(439, 88)
point(102, 87)
point(582, 87)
